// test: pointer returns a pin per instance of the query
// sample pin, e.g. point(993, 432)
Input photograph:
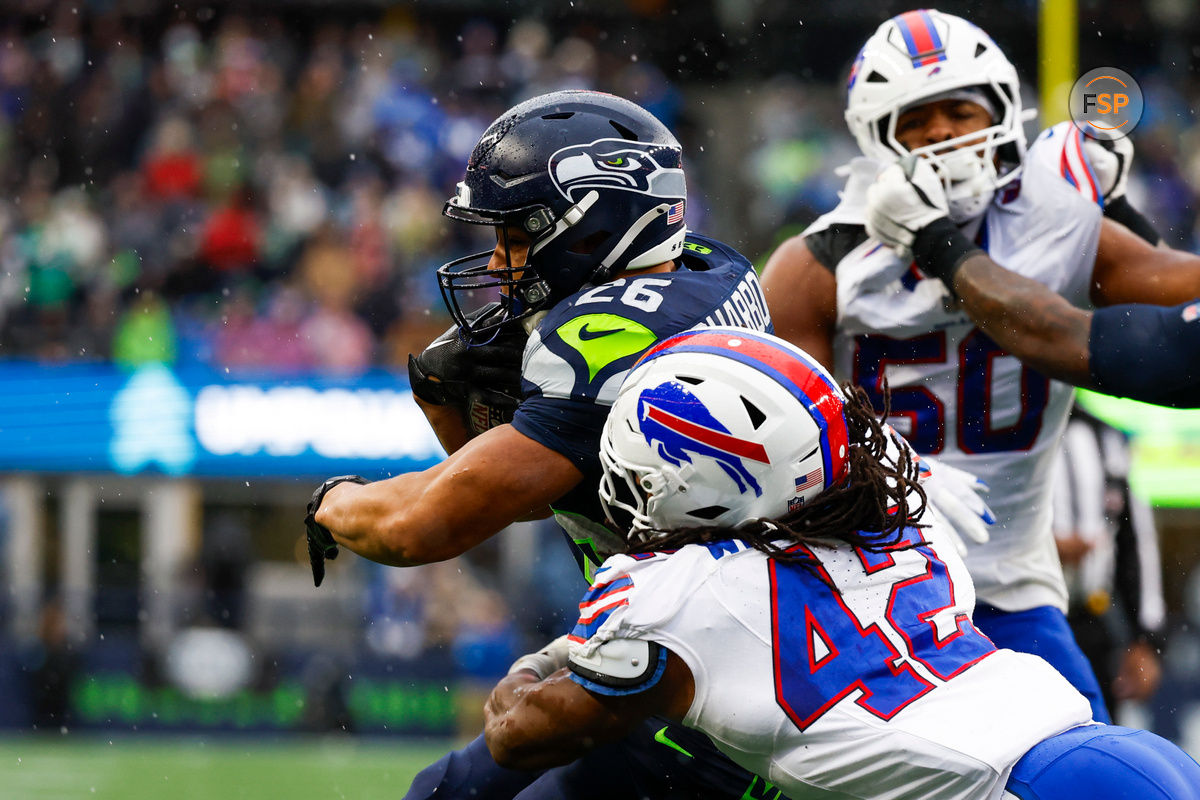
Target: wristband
point(940, 249)
point(1122, 211)
point(318, 530)
point(321, 544)
point(545, 662)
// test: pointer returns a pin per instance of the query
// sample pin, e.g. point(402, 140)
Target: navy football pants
point(649, 763)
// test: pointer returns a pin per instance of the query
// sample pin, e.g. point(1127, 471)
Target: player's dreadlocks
point(869, 509)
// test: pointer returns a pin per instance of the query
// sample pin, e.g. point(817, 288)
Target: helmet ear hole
point(708, 512)
point(875, 77)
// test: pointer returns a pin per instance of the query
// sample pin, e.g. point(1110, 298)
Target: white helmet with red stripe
point(720, 426)
point(926, 55)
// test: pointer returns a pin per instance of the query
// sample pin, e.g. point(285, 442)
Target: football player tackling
point(778, 593)
point(936, 87)
point(592, 260)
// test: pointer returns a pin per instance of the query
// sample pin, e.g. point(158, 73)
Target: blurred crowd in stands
point(235, 194)
point(242, 191)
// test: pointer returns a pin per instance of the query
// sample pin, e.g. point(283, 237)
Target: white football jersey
point(955, 393)
point(881, 689)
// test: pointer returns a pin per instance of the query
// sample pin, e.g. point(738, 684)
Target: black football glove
point(482, 380)
point(320, 541)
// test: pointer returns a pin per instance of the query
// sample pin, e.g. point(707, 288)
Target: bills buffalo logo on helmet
point(647, 168)
point(675, 423)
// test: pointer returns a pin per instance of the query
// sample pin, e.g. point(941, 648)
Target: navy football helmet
point(596, 184)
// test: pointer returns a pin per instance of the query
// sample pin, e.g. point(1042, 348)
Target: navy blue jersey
point(582, 349)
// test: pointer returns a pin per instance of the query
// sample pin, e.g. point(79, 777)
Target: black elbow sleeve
point(1147, 353)
point(1122, 211)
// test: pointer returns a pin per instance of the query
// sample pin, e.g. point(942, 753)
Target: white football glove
point(907, 196)
point(953, 494)
point(1111, 160)
point(545, 662)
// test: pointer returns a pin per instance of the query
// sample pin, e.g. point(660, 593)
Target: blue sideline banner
point(197, 421)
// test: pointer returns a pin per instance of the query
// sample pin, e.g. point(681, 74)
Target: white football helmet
point(926, 55)
point(720, 426)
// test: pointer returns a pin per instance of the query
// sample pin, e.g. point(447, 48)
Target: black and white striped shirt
point(1092, 500)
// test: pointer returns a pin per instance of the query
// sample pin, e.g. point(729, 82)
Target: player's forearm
point(420, 517)
point(447, 423)
point(1175, 280)
point(1026, 319)
point(520, 729)
point(382, 522)
point(1129, 270)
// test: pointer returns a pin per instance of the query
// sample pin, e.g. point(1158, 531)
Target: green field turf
point(141, 768)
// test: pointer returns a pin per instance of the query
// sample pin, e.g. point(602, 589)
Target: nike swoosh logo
point(661, 738)
point(587, 334)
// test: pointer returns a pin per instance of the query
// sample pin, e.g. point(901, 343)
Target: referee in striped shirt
point(1108, 545)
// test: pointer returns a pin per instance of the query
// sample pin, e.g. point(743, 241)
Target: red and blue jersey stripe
point(795, 371)
point(1074, 166)
point(921, 37)
point(598, 605)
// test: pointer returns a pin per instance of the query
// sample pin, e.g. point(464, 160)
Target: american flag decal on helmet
point(808, 481)
point(675, 213)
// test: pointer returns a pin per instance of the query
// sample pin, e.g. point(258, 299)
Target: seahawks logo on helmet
point(645, 167)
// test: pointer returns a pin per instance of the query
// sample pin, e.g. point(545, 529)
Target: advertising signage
point(196, 421)
point(1166, 447)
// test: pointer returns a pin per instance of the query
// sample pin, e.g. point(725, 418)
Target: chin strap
point(569, 218)
point(531, 322)
point(634, 231)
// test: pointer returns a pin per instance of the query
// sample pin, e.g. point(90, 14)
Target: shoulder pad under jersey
point(618, 666)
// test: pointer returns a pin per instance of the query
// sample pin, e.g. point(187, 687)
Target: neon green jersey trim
point(603, 338)
point(577, 527)
point(767, 787)
point(661, 738)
